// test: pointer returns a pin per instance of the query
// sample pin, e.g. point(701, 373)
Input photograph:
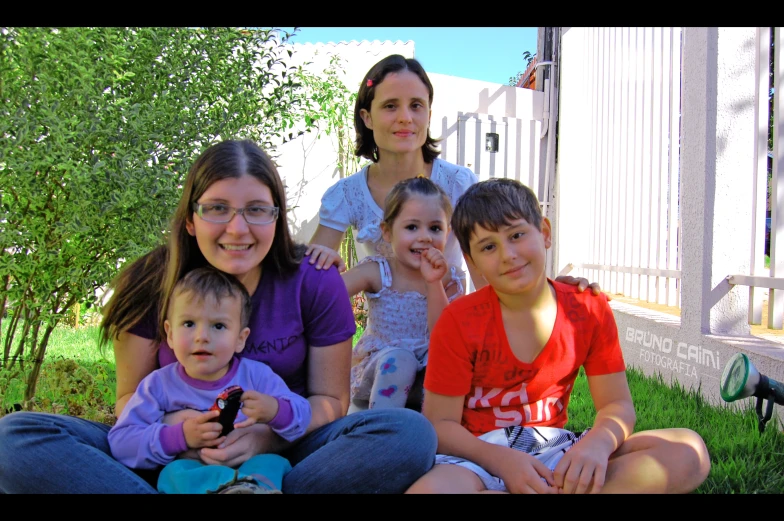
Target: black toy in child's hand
point(228, 403)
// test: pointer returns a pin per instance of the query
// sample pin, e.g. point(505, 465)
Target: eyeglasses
point(221, 213)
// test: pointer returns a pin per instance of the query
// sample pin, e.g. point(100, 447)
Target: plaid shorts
point(547, 444)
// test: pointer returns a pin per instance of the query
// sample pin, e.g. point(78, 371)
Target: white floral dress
point(349, 203)
point(395, 320)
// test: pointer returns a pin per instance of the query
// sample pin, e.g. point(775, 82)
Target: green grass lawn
point(77, 379)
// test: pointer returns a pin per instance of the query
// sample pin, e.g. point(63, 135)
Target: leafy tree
point(528, 57)
point(331, 109)
point(97, 129)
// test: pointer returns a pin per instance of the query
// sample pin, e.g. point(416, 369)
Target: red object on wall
point(528, 79)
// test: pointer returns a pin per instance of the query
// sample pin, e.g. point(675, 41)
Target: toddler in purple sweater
point(168, 419)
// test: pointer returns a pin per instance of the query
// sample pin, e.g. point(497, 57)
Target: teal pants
point(187, 476)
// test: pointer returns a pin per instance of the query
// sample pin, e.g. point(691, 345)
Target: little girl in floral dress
point(406, 293)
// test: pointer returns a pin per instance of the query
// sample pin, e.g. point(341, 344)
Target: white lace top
point(395, 319)
point(349, 203)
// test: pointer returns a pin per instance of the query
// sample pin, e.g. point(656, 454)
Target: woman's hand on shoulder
point(323, 257)
point(323, 246)
point(581, 283)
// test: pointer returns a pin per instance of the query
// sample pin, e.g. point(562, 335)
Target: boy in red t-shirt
point(502, 365)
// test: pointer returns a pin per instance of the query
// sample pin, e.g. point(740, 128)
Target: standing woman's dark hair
point(366, 144)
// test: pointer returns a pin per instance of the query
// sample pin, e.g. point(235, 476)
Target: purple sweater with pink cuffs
point(139, 439)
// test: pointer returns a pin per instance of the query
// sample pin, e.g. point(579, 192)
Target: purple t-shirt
point(308, 307)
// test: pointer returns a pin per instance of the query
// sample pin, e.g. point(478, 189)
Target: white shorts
point(547, 444)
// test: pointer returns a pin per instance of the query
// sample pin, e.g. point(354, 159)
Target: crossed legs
point(665, 461)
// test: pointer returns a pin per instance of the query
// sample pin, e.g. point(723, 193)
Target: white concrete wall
point(656, 343)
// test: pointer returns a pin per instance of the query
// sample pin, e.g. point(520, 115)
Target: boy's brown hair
point(208, 281)
point(491, 204)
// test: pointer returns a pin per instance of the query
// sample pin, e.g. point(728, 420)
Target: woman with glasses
point(232, 215)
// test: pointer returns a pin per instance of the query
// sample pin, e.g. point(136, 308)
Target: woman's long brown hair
point(147, 283)
point(136, 291)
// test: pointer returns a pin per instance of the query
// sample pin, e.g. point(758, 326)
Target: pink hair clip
point(370, 83)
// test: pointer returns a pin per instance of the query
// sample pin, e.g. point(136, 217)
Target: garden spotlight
point(741, 379)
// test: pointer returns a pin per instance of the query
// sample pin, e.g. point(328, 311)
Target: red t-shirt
point(469, 356)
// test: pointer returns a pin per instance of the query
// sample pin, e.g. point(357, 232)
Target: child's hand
point(257, 407)
point(201, 431)
point(324, 257)
point(524, 474)
point(433, 265)
point(582, 469)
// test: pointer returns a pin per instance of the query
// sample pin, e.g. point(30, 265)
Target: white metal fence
point(760, 276)
point(620, 127)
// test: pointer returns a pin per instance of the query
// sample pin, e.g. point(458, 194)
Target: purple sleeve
point(173, 439)
point(326, 308)
point(285, 415)
point(136, 440)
